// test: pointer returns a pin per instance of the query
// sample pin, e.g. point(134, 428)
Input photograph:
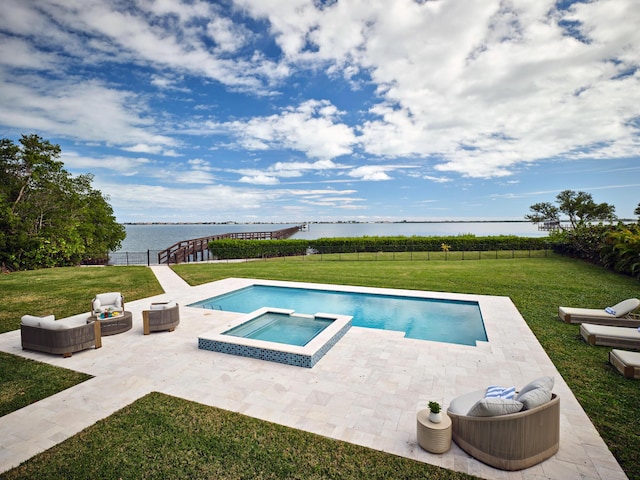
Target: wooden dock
point(194, 250)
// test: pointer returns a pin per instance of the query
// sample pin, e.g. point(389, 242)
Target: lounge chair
point(161, 316)
point(627, 363)
point(62, 337)
point(608, 336)
point(619, 315)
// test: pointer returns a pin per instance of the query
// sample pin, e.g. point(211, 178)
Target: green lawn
point(164, 447)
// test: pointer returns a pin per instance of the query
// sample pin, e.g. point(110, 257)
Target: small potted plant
point(434, 412)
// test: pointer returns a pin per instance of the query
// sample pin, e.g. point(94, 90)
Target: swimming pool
point(450, 321)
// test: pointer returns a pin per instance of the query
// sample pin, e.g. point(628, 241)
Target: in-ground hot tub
point(278, 335)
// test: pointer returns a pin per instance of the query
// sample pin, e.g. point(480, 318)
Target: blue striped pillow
point(495, 391)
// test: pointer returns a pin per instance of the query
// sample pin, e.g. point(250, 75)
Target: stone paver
point(366, 390)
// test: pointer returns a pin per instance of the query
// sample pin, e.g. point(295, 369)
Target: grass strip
point(24, 381)
point(159, 436)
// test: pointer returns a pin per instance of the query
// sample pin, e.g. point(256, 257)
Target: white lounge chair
point(619, 315)
point(608, 336)
point(627, 363)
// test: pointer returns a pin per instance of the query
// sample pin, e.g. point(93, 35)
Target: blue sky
point(311, 110)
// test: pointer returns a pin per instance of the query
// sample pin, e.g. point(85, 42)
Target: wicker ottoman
point(114, 325)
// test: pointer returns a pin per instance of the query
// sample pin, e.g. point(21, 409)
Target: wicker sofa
point(508, 441)
point(161, 316)
point(60, 337)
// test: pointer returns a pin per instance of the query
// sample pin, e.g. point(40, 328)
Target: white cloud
point(259, 179)
point(202, 201)
point(437, 179)
point(483, 85)
point(118, 165)
point(370, 172)
point(88, 110)
point(313, 127)
point(228, 36)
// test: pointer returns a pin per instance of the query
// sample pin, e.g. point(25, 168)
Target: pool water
point(451, 321)
point(281, 328)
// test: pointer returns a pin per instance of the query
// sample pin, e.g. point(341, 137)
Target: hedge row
point(230, 249)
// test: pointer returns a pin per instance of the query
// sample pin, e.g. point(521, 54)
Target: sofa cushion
point(491, 407)
point(34, 321)
point(542, 382)
point(162, 305)
point(534, 398)
point(49, 322)
point(462, 404)
point(75, 320)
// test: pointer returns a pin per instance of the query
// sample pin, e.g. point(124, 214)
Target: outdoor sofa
point(620, 314)
point(60, 337)
point(161, 316)
point(508, 434)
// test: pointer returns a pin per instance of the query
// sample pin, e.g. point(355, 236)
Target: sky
point(330, 110)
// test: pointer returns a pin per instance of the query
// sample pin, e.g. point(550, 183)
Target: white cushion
point(542, 382)
point(491, 407)
point(162, 305)
point(626, 306)
point(34, 321)
point(110, 298)
point(534, 398)
point(47, 322)
point(75, 320)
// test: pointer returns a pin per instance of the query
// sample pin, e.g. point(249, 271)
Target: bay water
point(143, 237)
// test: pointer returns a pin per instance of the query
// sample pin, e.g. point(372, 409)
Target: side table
point(433, 437)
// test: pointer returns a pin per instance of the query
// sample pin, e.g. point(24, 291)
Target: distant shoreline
point(350, 222)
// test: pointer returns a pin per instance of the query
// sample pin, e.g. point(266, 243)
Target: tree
point(579, 207)
point(637, 210)
point(48, 217)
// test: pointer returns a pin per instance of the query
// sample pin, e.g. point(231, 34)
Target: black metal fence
point(150, 257)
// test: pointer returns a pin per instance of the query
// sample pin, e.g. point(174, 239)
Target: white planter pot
point(435, 417)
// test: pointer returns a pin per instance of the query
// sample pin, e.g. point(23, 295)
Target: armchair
point(161, 316)
point(107, 302)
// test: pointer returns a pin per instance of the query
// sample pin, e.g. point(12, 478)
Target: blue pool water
point(281, 328)
point(450, 321)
